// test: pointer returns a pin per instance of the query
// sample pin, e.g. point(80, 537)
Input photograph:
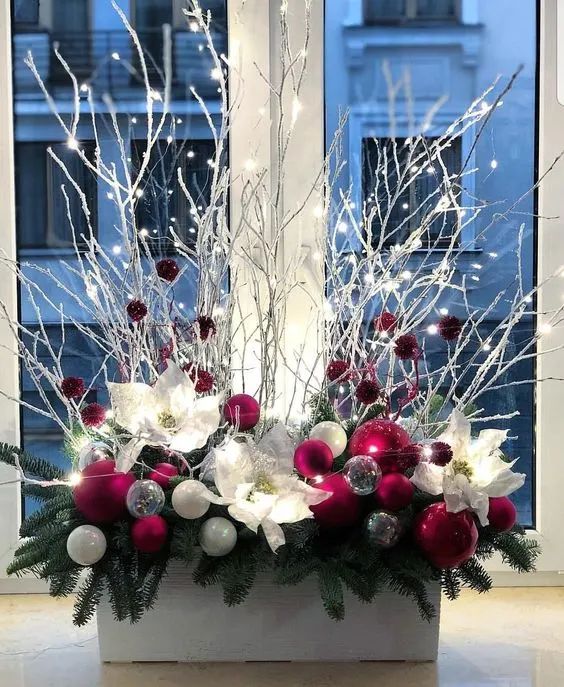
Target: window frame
point(247, 19)
point(50, 190)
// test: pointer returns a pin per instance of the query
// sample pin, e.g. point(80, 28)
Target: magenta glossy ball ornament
point(376, 436)
point(394, 492)
point(149, 534)
point(162, 474)
point(341, 509)
point(313, 458)
point(100, 496)
point(502, 514)
point(242, 410)
point(446, 539)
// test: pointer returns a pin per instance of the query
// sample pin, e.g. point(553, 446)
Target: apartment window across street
point(409, 209)
point(162, 208)
point(43, 222)
point(411, 10)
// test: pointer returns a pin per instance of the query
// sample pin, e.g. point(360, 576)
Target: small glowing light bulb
point(75, 478)
point(115, 56)
point(493, 164)
point(72, 143)
point(215, 74)
point(116, 250)
point(432, 329)
point(444, 311)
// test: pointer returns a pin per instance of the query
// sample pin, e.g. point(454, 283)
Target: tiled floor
point(509, 638)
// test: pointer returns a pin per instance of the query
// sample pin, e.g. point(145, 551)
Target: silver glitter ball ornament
point(362, 475)
point(383, 529)
point(145, 497)
point(93, 452)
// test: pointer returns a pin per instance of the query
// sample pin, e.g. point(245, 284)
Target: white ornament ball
point(332, 434)
point(86, 544)
point(218, 536)
point(188, 500)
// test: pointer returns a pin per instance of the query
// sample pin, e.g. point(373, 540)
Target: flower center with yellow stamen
point(264, 485)
point(166, 419)
point(462, 467)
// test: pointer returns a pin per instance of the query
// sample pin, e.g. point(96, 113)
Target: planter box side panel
point(276, 623)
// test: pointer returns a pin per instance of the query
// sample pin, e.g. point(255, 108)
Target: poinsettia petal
point(488, 440)
point(458, 432)
point(279, 444)
point(460, 495)
point(233, 466)
point(128, 454)
point(290, 508)
point(240, 511)
point(428, 478)
point(174, 390)
point(131, 404)
point(505, 483)
point(200, 489)
point(274, 534)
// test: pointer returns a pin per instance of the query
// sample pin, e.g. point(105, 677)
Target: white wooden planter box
point(275, 623)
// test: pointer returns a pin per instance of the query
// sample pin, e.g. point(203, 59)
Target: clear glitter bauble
point(93, 452)
point(145, 498)
point(383, 529)
point(362, 474)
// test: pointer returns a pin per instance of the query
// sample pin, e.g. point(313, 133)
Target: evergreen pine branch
point(41, 494)
point(450, 584)
point(363, 586)
point(31, 465)
point(331, 591)
point(63, 583)
point(475, 576)
point(89, 596)
point(207, 571)
point(184, 540)
point(152, 583)
point(517, 551)
point(60, 507)
point(238, 575)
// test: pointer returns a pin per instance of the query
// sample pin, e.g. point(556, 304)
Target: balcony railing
point(108, 61)
point(411, 11)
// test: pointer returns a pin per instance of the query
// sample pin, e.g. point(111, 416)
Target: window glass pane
point(101, 54)
point(389, 79)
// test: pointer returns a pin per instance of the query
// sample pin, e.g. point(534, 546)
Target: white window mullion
point(10, 503)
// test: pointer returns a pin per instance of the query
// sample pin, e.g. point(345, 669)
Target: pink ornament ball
point(341, 509)
point(149, 534)
point(502, 514)
point(313, 458)
point(100, 494)
point(242, 409)
point(394, 492)
point(446, 539)
point(376, 436)
point(162, 473)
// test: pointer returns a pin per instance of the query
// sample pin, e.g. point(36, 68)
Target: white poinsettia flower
point(165, 414)
point(476, 473)
point(259, 483)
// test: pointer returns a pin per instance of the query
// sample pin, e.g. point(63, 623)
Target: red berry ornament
point(342, 508)
point(242, 410)
point(149, 534)
point(502, 514)
point(137, 310)
point(376, 436)
point(313, 458)
point(93, 415)
point(162, 473)
point(450, 327)
point(202, 379)
point(205, 327)
point(446, 539)
point(406, 347)
point(73, 387)
point(386, 322)
point(441, 453)
point(394, 492)
point(338, 370)
point(100, 494)
point(167, 269)
point(367, 391)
